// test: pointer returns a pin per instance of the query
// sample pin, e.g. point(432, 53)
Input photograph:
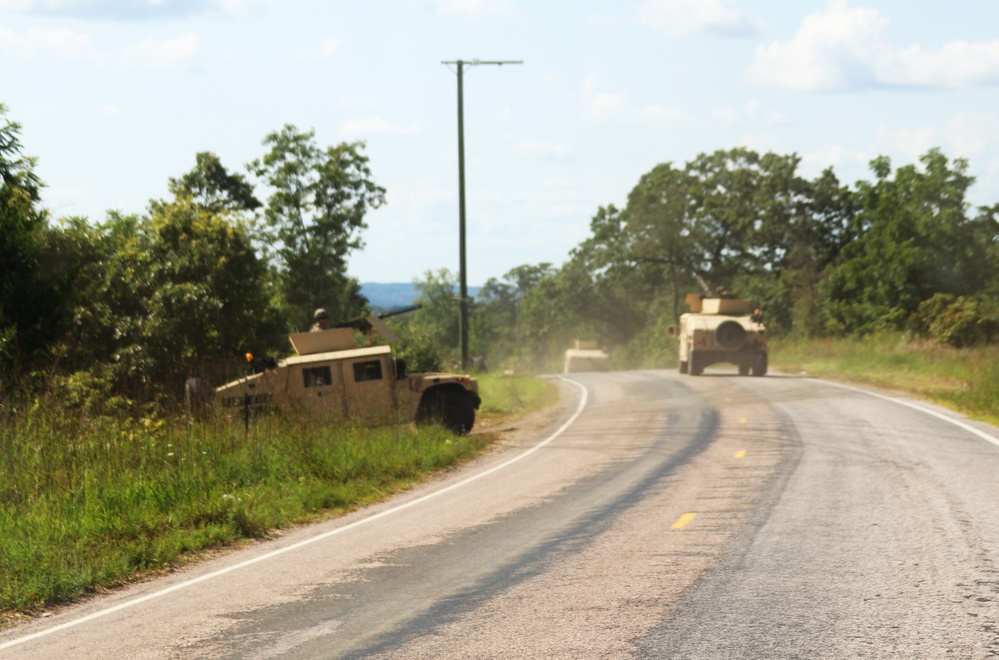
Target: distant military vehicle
point(585, 356)
point(721, 329)
point(333, 377)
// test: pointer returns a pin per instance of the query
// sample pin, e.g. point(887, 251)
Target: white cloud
point(325, 50)
point(679, 18)
point(848, 164)
point(474, 9)
point(912, 143)
point(655, 112)
point(117, 10)
point(363, 128)
point(971, 133)
point(35, 43)
point(111, 110)
point(541, 148)
point(844, 47)
point(601, 105)
point(182, 51)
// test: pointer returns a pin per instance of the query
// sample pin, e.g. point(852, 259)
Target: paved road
point(653, 516)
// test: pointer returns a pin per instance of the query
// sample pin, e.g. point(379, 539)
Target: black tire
point(760, 368)
point(730, 335)
point(683, 367)
point(452, 409)
point(743, 369)
point(696, 368)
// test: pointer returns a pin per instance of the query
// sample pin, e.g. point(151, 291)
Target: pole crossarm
point(463, 277)
point(477, 62)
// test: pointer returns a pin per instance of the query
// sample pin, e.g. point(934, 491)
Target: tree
point(438, 313)
point(914, 240)
point(658, 233)
point(315, 215)
point(207, 294)
point(28, 304)
point(496, 331)
point(213, 187)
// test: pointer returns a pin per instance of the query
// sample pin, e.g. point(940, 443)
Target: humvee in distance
point(721, 329)
point(334, 378)
point(585, 356)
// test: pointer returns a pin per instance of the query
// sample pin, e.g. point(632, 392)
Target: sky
point(114, 98)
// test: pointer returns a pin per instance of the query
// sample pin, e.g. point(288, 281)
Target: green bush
point(957, 321)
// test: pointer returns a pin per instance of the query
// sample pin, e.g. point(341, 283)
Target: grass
point(966, 379)
point(91, 503)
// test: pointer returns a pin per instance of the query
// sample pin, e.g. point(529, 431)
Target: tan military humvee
point(334, 378)
point(585, 356)
point(722, 329)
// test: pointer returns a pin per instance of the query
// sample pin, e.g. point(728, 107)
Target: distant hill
point(386, 296)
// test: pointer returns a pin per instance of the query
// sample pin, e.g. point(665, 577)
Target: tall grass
point(965, 379)
point(91, 502)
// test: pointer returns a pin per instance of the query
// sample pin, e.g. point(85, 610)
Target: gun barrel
point(401, 310)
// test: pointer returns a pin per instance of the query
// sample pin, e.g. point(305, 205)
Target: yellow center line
point(741, 453)
point(683, 521)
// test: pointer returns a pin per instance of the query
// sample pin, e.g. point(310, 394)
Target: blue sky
point(116, 97)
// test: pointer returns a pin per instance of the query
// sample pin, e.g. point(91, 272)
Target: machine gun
point(364, 323)
point(369, 324)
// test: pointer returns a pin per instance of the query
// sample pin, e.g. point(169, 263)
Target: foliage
point(914, 240)
point(438, 316)
point(964, 378)
point(314, 216)
point(91, 501)
point(28, 300)
point(213, 187)
point(496, 330)
point(954, 320)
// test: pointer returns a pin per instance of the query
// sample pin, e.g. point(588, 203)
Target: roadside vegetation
point(963, 379)
point(90, 502)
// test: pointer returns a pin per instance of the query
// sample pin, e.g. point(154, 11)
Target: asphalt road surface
point(652, 515)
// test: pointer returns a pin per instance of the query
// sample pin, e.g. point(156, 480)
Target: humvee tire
point(730, 335)
point(696, 368)
point(452, 409)
point(760, 368)
point(683, 367)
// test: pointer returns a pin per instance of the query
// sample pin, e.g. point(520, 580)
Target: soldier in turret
point(322, 320)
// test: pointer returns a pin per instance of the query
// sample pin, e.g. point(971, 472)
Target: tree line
point(903, 252)
point(118, 312)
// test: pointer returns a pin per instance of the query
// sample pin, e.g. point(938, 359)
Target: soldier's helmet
point(319, 314)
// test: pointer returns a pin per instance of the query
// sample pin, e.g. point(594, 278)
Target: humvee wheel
point(730, 335)
point(760, 368)
point(743, 369)
point(451, 409)
point(683, 367)
point(696, 368)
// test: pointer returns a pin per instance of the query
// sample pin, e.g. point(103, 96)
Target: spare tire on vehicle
point(730, 335)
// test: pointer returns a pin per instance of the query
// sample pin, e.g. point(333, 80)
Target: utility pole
point(462, 272)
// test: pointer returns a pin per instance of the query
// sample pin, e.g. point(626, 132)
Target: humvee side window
point(317, 376)
point(370, 370)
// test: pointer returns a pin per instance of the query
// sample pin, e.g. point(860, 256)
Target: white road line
point(915, 406)
point(301, 544)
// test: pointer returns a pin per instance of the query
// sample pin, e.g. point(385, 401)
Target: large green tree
point(315, 214)
point(913, 240)
point(29, 304)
